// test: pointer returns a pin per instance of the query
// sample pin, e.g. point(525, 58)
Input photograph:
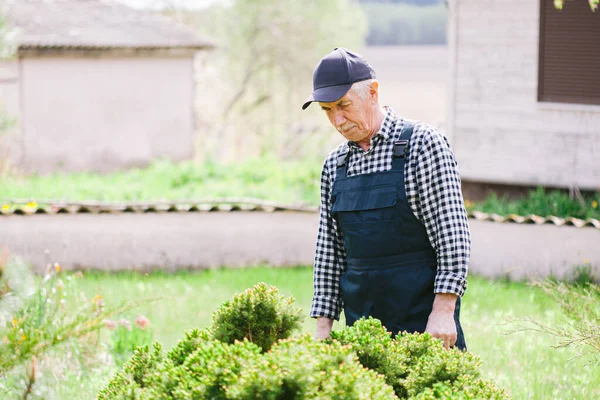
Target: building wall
point(106, 113)
point(11, 149)
point(500, 132)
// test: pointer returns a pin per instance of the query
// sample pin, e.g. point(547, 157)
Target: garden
point(244, 333)
point(204, 334)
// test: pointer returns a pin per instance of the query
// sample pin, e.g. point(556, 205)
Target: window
point(569, 57)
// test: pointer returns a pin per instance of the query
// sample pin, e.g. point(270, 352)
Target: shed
point(524, 95)
point(98, 86)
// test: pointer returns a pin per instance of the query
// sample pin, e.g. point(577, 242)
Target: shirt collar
point(385, 130)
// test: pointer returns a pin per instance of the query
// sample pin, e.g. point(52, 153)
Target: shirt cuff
point(327, 307)
point(450, 282)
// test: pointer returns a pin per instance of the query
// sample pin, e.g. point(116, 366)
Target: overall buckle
point(400, 148)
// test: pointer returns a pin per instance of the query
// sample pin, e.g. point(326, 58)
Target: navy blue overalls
point(391, 265)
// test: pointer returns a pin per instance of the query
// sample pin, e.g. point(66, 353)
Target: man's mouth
point(346, 129)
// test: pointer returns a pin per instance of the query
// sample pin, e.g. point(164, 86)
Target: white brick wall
point(500, 132)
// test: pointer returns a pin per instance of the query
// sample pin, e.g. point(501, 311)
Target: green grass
point(288, 182)
point(524, 363)
point(267, 178)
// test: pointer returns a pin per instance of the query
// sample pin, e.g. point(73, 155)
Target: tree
point(266, 52)
point(593, 4)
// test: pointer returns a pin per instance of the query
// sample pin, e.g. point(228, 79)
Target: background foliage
point(261, 72)
point(406, 23)
point(39, 317)
point(559, 4)
point(268, 178)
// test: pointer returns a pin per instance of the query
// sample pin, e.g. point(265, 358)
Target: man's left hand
point(441, 322)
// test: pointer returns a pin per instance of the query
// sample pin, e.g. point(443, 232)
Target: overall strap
point(342, 162)
point(401, 146)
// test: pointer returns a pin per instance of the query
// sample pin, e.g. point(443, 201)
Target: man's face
point(352, 116)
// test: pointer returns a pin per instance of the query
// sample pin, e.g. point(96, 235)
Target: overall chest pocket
point(368, 204)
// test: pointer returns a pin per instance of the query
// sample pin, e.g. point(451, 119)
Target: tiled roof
point(96, 24)
point(23, 207)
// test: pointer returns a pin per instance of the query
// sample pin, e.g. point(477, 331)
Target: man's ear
point(374, 91)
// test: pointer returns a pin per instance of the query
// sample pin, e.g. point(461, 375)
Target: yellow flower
point(586, 261)
point(98, 301)
point(14, 322)
point(32, 204)
point(5, 207)
point(594, 204)
point(56, 267)
point(23, 337)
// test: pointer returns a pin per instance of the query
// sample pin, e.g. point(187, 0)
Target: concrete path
point(170, 241)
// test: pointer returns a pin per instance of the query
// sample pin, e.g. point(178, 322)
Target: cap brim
point(327, 94)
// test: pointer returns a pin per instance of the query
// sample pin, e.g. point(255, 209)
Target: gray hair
point(362, 88)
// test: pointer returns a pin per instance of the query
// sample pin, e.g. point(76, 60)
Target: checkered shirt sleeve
point(433, 191)
point(330, 257)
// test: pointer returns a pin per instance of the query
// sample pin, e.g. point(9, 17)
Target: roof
point(96, 24)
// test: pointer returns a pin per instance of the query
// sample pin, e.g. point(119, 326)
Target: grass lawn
point(523, 363)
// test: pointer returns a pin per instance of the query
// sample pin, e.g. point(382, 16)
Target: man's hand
point(441, 322)
point(324, 326)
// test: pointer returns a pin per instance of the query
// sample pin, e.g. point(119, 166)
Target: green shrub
point(188, 345)
point(464, 388)
point(375, 349)
point(439, 365)
point(302, 368)
point(259, 314)
point(206, 373)
point(411, 363)
point(135, 375)
point(359, 362)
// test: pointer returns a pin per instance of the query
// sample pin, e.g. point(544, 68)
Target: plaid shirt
point(433, 191)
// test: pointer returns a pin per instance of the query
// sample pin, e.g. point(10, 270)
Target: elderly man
point(393, 240)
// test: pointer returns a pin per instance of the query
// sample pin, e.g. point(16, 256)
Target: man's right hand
point(324, 327)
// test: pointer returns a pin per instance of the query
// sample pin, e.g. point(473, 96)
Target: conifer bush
point(303, 368)
point(247, 354)
point(186, 346)
point(259, 314)
point(416, 364)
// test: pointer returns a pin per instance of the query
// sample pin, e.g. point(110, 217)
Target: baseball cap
point(335, 74)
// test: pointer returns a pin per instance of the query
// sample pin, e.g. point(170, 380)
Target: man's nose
point(339, 119)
